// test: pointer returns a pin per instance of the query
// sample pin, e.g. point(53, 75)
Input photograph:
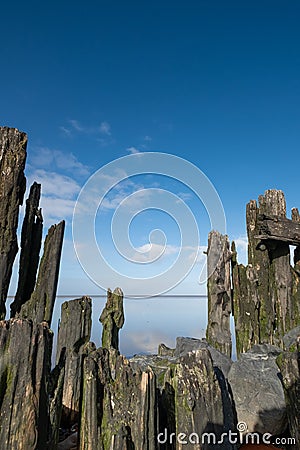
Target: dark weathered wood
point(197, 399)
point(219, 292)
point(25, 359)
point(289, 364)
point(31, 240)
point(12, 188)
point(41, 303)
point(296, 218)
point(112, 319)
point(278, 229)
point(73, 335)
point(119, 405)
point(55, 392)
point(245, 305)
point(266, 292)
point(259, 261)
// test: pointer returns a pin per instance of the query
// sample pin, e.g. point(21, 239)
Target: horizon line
point(125, 296)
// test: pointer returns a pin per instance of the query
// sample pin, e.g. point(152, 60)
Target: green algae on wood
point(219, 292)
point(41, 303)
point(265, 292)
point(112, 319)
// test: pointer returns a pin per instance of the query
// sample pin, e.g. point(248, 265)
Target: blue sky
point(216, 83)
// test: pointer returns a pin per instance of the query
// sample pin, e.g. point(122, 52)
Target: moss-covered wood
point(73, 334)
point(245, 305)
point(31, 239)
point(25, 359)
point(12, 187)
point(196, 394)
point(112, 319)
point(41, 303)
point(266, 294)
point(219, 292)
point(119, 405)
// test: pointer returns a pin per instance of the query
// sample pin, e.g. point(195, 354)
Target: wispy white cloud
point(151, 252)
point(56, 209)
point(105, 128)
point(184, 196)
point(77, 126)
point(59, 193)
point(198, 253)
point(101, 132)
point(65, 130)
point(60, 175)
point(44, 157)
point(55, 184)
point(148, 138)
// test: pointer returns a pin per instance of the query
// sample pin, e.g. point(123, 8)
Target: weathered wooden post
point(73, 335)
point(112, 319)
point(31, 240)
point(119, 405)
point(266, 293)
point(245, 304)
point(12, 188)
point(25, 361)
point(41, 303)
point(55, 393)
point(219, 292)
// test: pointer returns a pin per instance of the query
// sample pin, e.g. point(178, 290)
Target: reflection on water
point(149, 321)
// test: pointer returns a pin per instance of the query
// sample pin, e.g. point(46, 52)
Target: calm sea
point(148, 321)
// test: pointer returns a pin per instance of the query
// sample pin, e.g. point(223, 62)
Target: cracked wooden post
point(25, 361)
point(112, 319)
point(41, 303)
point(245, 304)
point(266, 295)
point(12, 188)
point(74, 334)
point(55, 392)
point(31, 240)
point(119, 405)
point(219, 292)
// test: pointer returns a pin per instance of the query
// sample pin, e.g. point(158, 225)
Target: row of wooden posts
point(35, 400)
point(264, 296)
